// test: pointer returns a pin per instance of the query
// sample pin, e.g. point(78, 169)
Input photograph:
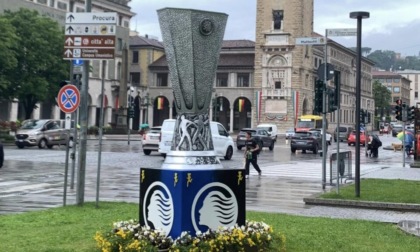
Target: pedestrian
point(1, 155)
point(408, 143)
point(374, 145)
point(251, 153)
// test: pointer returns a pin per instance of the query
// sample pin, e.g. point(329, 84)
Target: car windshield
point(264, 128)
point(33, 124)
point(290, 130)
point(243, 132)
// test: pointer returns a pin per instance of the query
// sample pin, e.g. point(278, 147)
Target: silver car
point(42, 133)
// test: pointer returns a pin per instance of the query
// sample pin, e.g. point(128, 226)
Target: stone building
point(285, 73)
point(414, 77)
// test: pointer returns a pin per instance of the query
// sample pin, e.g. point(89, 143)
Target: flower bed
point(130, 236)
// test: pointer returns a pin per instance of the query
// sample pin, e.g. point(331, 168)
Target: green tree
point(8, 61)
point(40, 66)
point(382, 97)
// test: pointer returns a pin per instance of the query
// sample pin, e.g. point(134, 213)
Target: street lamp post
point(359, 15)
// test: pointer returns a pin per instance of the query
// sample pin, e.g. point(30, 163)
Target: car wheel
point(20, 146)
point(271, 146)
point(163, 155)
point(42, 143)
point(229, 153)
point(239, 147)
point(147, 152)
point(49, 146)
point(293, 150)
point(315, 150)
point(349, 144)
point(329, 142)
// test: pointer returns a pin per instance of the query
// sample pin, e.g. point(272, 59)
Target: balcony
point(282, 93)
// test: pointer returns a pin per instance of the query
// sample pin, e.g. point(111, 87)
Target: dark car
point(261, 136)
point(396, 129)
point(306, 140)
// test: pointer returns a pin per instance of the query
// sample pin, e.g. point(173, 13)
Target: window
point(396, 89)
point(416, 94)
point(135, 57)
point(222, 79)
point(277, 85)
point(389, 80)
point(61, 6)
point(52, 3)
point(396, 80)
point(119, 44)
point(135, 79)
point(243, 80)
point(126, 24)
point(162, 80)
point(119, 71)
point(78, 9)
point(42, 1)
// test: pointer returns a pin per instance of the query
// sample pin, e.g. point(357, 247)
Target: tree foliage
point(40, 66)
point(382, 96)
point(8, 61)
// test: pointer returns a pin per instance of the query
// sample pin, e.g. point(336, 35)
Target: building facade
point(56, 10)
point(414, 77)
point(285, 73)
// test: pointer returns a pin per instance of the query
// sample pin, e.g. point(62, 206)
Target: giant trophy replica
point(192, 191)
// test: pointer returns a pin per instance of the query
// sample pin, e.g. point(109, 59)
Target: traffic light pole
point(324, 116)
point(101, 126)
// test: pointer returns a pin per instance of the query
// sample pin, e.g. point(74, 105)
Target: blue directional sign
point(77, 62)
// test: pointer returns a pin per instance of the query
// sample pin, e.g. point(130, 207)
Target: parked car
point(150, 141)
point(351, 140)
point(222, 141)
point(261, 136)
point(270, 128)
point(328, 137)
point(42, 133)
point(290, 132)
point(397, 128)
point(306, 140)
point(343, 133)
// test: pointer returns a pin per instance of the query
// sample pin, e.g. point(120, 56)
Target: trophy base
point(191, 160)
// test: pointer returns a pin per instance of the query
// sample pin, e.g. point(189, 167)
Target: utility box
point(343, 170)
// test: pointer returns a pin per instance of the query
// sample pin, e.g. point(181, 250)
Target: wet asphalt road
point(33, 179)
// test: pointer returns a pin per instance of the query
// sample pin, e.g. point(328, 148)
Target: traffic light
point(411, 113)
point(398, 110)
point(362, 116)
point(319, 89)
point(332, 102)
point(404, 112)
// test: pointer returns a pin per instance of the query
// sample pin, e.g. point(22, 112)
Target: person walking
point(251, 154)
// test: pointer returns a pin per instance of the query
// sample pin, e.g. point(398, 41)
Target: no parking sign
point(68, 98)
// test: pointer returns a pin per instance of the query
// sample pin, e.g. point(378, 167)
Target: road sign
point(90, 41)
point(68, 98)
point(87, 29)
point(310, 41)
point(89, 53)
point(342, 32)
point(77, 62)
point(90, 36)
point(91, 18)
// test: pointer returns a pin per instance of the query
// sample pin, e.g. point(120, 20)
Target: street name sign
point(90, 35)
point(342, 32)
point(310, 41)
point(91, 18)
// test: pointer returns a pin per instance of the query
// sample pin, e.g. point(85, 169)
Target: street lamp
point(359, 15)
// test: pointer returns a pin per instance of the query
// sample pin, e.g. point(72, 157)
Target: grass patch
point(72, 228)
point(380, 190)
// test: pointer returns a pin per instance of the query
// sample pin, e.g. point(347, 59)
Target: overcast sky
point(393, 25)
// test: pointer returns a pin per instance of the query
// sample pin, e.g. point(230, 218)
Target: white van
point(222, 142)
point(270, 128)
